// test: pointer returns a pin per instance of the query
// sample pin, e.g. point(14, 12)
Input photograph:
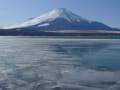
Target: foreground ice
point(59, 64)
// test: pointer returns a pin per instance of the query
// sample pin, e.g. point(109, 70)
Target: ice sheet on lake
point(57, 64)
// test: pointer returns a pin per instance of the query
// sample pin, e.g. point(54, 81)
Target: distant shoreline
point(100, 34)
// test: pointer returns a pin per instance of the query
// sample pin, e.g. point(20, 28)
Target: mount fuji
point(58, 21)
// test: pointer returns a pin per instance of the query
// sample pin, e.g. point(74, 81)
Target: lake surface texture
point(37, 63)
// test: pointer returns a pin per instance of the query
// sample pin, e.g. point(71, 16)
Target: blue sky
point(106, 11)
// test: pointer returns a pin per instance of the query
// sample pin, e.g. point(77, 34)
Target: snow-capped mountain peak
point(64, 13)
point(59, 19)
point(50, 16)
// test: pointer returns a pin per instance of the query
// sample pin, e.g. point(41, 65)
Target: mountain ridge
point(60, 19)
point(59, 22)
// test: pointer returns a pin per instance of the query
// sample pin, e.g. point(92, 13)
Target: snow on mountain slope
point(50, 16)
point(59, 19)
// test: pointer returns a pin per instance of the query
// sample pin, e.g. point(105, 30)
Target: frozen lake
point(46, 63)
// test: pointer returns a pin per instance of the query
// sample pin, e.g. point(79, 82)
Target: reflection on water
point(28, 63)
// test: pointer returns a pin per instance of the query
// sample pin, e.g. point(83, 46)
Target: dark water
point(46, 63)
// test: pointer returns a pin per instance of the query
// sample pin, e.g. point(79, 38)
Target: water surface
point(46, 63)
